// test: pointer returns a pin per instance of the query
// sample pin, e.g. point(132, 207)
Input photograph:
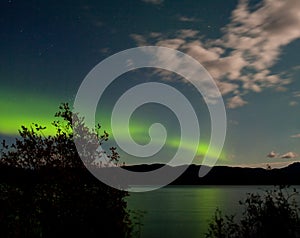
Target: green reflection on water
point(184, 211)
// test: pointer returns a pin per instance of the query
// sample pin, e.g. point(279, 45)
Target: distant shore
point(218, 175)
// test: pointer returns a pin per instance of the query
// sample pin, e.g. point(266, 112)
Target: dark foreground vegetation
point(274, 213)
point(60, 202)
point(46, 191)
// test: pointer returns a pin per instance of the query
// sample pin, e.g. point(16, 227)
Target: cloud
point(295, 136)
point(104, 50)
point(289, 155)
point(293, 103)
point(171, 43)
point(139, 39)
point(260, 34)
point(233, 122)
point(187, 33)
point(226, 88)
point(296, 94)
point(272, 154)
point(155, 2)
point(187, 19)
point(296, 68)
point(241, 60)
point(235, 102)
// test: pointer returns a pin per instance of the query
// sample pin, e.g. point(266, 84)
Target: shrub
point(273, 214)
point(34, 150)
point(46, 191)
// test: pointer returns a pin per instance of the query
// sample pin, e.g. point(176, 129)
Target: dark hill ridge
point(225, 175)
point(218, 175)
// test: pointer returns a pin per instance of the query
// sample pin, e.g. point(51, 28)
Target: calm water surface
point(184, 211)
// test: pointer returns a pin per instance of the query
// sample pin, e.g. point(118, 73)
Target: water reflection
point(184, 211)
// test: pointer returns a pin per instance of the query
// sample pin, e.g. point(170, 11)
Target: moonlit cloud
point(289, 155)
point(171, 43)
point(296, 94)
point(233, 122)
point(156, 2)
point(295, 136)
point(293, 103)
point(187, 33)
point(272, 154)
point(235, 102)
point(139, 39)
point(260, 35)
point(187, 19)
point(252, 42)
point(226, 88)
point(104, 50)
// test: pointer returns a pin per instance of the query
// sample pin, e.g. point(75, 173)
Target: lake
point(185, 211)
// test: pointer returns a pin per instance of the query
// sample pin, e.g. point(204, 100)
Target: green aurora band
point(24, 109)
point(37, 109)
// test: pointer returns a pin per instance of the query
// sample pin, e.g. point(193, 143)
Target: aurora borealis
point(251, 49)
point(19, 111)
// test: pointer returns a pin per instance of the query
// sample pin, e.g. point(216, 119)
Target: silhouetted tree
point(46, 191)
point(274, 214)
point(34, 150)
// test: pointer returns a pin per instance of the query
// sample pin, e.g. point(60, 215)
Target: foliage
point(136, 219)
point(273, 214)
point(34, 150)
point(46, 191)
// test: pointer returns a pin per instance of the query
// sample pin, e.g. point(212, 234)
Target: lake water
point(184, 211)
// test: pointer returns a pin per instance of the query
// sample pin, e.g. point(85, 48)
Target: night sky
point(251, 49)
